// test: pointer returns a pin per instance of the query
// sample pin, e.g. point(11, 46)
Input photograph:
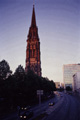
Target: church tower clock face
point(33, 48)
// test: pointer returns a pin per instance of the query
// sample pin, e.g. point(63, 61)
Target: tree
point(5, 71)
point(19, 71)
point(68, 88)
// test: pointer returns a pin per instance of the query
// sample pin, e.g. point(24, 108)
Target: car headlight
point(24, 116)
point(20, 116)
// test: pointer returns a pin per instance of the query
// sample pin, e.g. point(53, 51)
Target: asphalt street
point(36, 109)
point(69, 109)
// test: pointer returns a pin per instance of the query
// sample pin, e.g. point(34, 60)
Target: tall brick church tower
point(33, 48)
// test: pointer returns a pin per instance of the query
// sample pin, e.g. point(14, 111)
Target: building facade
point(33, 61)
point(68, 72)
point(76, 82)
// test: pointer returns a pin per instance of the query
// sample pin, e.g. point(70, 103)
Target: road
point(69, 109)
point(37, 110)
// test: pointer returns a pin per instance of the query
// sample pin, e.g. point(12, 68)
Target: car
point(26, 115)
point(25, 108)
point(51, 103)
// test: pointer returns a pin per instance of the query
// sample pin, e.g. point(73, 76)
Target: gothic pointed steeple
point(33, 22)
point(33, 61)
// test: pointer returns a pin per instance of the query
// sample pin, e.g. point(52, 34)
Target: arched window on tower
point(34, 33)
point(30, 53)
point(33, 52)
point(32, 67)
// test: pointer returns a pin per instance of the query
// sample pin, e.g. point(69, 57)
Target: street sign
point(39, 92)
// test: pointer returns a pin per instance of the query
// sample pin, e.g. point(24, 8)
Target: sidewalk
point(77, 96)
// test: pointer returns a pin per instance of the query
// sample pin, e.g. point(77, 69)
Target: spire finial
point(33, 3)
point(33, 22)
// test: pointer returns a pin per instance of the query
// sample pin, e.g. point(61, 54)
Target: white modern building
point(68, 71)
point(76, 82)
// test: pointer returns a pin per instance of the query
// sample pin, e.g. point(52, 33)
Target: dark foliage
point(21, 88)
point(68, 88)
point(5, 71)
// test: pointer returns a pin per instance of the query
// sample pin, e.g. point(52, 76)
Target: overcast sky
point(58, 24)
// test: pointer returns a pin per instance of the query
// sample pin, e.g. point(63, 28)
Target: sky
point(58, 24)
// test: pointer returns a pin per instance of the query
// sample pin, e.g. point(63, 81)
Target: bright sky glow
point(58, 24)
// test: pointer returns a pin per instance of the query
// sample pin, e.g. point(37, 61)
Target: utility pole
point(39, 93)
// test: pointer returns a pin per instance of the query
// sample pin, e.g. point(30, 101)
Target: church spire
point(33, 22)
point(33, 48)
